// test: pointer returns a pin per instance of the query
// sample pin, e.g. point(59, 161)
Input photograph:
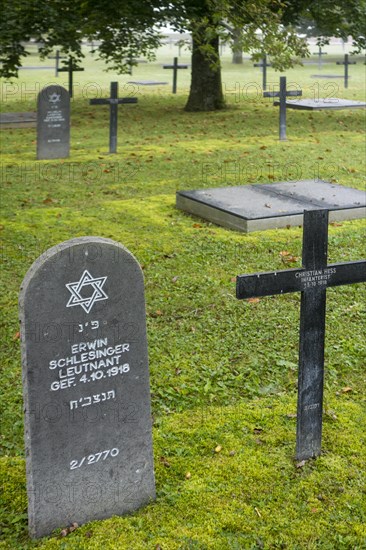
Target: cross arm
point(173, 66)
point(348, 63)
point(73, 69)
point(111, 101)
point(295, 280)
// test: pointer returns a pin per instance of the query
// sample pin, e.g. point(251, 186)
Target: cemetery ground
point(223, 372)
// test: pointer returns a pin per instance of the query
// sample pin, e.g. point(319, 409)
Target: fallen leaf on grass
point(164, 461)
point(301, 464)
point(188, 475)
point(16, 335)
point(346, 389)
point(218, 449)
point(287, 257)
point(196, 225)
point(253, 300)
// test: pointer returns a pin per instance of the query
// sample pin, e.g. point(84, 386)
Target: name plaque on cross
point(312, 280)
point(113, 103)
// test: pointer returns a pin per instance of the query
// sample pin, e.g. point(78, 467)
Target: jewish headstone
point(86, 385)
point(53, 123)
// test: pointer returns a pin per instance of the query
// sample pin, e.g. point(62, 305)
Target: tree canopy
point(129, 29)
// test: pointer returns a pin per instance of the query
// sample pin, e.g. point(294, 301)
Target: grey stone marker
point(269, 206)
point(18, 120)
point(147, 82)
point(86, 385)
point(53, 123)
point(330, 103)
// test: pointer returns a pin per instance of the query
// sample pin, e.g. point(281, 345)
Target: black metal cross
point(264, 66)
point(282, 94)
point(113, 103)
point(70, 68)
point(346, 62)
point(311, 280)
point(175, 68)
point(57, 58)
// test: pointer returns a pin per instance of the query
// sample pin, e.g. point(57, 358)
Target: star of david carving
point(54, 98)
point(97, 295)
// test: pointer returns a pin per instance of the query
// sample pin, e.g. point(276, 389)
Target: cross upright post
point(311, 280)
point(57, 58)
point(70, 68)
point(320, 59)
point(346, 62)
point(282, 94)
point(113, 103)
point(175, 68)
point(264, 66)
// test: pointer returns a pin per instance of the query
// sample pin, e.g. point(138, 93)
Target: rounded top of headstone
point(54, 94)
point(79, 251)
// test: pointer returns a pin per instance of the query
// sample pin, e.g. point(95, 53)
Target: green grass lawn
point(223, 371)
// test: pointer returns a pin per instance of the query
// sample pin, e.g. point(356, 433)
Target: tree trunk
point(237, 49)
point(206, 90)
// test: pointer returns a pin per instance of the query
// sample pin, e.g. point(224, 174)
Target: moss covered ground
point(223, 372)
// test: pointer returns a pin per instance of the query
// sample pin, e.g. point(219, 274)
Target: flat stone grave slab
point(258, 207)
point(18, 120)
point(147, 82)
point(332, 103)
point(43, 68)
point(327, 76)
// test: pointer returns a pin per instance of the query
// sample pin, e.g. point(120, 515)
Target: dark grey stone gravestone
point(86, 385)
point(53, 123)
point(312, 280)
point(269, 206)
point(330, 103)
